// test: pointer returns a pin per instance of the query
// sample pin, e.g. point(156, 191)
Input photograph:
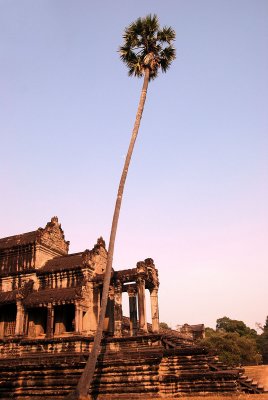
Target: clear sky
point(197, 192)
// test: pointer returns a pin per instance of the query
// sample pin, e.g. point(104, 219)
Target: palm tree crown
point(147, 46)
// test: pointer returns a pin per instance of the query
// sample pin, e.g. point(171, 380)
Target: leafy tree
point(266, 324)
point(262, 327)
point(231, 325)
point(262, 342)
point(209, 332)
point(232, 348)
point(233, 341)
point(146, 50)
point(164, 325)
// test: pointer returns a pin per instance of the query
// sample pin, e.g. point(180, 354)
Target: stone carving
point(53, 237)
point(153, 277)
point(132, 290)
point(87, 258)
point(149, 262)
point(142, 271)
point(95, 260)
point(25, 289)
point(101, 242)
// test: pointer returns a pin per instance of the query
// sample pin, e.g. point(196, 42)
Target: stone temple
point(49, 307)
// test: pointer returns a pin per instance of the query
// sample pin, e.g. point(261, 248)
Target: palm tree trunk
point(87, 375)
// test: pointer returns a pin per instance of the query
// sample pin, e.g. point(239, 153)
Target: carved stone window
point(10, 328)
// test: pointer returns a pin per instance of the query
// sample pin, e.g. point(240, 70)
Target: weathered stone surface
point(51, 293)
point(127, 367)
point(49, 309)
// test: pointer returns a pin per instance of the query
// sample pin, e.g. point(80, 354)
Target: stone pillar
point(80, 319)
point(118, 309)
point(19, 328)
point(154, 309)
point(50, 320)
point(142, 304)
point(110, 311)
point(132, 297)
point(77, 309)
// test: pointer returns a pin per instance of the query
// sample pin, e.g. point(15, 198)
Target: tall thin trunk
point(87, 375)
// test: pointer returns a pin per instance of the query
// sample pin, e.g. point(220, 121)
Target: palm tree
point(145, 51)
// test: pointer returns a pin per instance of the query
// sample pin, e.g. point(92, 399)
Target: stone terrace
point(128, 368)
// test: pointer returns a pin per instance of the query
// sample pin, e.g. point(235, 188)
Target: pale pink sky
point(197, 192)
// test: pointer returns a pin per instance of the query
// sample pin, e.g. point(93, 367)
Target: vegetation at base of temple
point(232, 348)
point(262, 341)
point(237, 344)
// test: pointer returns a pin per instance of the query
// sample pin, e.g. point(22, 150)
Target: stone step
point(127, 369)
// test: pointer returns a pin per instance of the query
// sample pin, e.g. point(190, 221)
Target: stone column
point(142, 304)
point(80, 319)
point(154, 309)
point(77, 309)
point(118, 309)
point(132, 297)
point(110, 311)
point(19, 328)
point(50, 320)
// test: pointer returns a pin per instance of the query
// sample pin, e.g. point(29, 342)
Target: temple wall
point(9, 283)
point(61, 279)
point(17, 347)
point(17, 259)
point(58, 280)
point(44, 254)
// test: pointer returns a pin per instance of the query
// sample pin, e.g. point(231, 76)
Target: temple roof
point(18, 240)
point(8, 297)
point(63, 263)
point(51, 236)
point(52, 296)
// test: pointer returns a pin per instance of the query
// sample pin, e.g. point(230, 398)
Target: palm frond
point(167, 34)
point(150, 25)
point(167, 55)
point(147, 46)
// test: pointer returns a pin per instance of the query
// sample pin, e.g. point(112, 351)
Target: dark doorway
point(64, 319)
point(37, 321)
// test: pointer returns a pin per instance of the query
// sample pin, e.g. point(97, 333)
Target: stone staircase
point(187, 372)
point(245, 383)
point(127, 374)
point(146, 366)
point(128, 368)
point(258, 374)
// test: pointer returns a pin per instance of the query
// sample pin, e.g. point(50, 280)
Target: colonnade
point(137, 315)
point(48, 321)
